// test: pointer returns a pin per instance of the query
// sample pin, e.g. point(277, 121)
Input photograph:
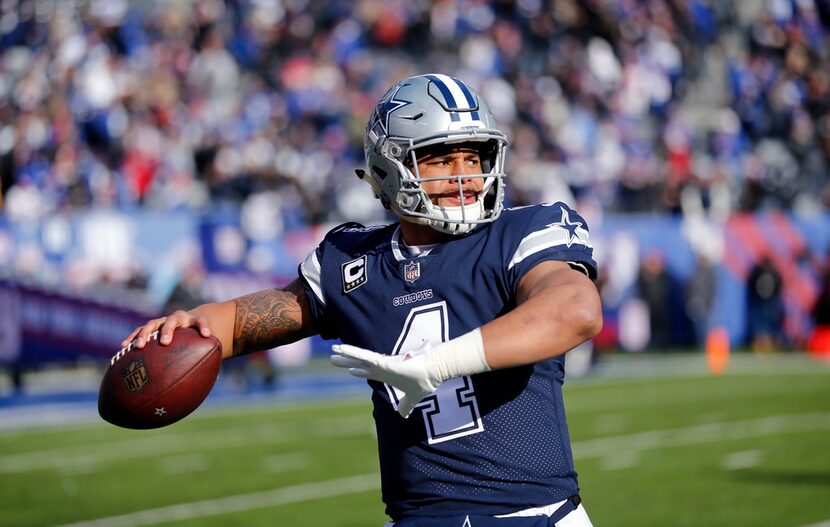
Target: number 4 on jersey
point(452, 411)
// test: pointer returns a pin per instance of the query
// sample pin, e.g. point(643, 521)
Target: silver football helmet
point(423, 111)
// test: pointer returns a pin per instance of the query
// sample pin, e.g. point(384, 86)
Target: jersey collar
point(401, 251)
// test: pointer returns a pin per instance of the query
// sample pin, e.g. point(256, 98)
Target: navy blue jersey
point(491, 443)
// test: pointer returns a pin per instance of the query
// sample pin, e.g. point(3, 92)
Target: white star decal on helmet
point(388, 106)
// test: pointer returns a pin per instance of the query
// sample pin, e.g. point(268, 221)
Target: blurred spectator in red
point(819, 342)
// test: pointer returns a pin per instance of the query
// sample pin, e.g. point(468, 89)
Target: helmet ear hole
point(406, 200)
point(381, 173)
point(394, 149)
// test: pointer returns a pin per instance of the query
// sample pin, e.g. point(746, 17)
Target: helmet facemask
point(460, 219)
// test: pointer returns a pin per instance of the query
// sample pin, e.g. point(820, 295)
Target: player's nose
point(474, 183)
point(461, 167)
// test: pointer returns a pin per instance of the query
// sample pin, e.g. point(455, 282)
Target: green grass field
point(673, 448)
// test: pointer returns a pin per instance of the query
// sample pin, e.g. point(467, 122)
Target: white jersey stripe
point(541, 240)
point(311, 271)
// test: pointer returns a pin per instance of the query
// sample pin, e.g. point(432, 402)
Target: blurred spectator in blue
point(765, 306)
point(154, 103)
point(621, 104)
point(700, 295)
point(654, 287)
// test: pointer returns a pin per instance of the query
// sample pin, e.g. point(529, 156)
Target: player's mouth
point(454, 199)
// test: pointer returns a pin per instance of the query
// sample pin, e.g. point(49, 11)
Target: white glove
point(417, 373)
point(411, 372)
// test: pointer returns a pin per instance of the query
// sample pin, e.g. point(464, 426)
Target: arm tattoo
point(270, 318)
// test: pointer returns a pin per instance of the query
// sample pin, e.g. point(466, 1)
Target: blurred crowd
point(620, 104)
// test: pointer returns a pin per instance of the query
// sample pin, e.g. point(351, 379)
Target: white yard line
point(162, 445)
point(742, 460)
point(243, 502)
point(185, 464)
point(135, 448)
point(699, 434)
point(91, 455)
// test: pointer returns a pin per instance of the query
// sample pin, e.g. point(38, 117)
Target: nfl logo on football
point(135, 375)
point(412, 271)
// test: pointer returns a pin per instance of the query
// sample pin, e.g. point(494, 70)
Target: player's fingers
point(147, 330)
point(141, 332)
point(203, 326)
point(406, 406)
point(347, 362)
point(178, 319)
point(130, 337)
point(357, 353)
point(181, 319)
point(361, 373)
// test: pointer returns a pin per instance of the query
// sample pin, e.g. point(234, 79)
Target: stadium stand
point(143, 142)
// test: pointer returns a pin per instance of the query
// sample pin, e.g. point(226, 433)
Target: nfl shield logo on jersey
point(412, 271)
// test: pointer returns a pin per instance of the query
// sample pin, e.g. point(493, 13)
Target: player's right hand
point(413, 372)
point(165, 326)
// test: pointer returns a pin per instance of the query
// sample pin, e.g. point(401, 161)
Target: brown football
point(158, 385)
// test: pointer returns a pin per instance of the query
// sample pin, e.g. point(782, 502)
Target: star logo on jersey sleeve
point(570, 228)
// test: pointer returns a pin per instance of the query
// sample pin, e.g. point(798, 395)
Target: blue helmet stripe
point(471, 102)
point(445, 91)
point(451, 101)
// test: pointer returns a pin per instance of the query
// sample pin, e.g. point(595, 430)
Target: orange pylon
point(717, 350)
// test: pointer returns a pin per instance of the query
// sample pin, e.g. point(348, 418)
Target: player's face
point(458, 161)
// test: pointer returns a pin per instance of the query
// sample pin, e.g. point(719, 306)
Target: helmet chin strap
point(457, 216)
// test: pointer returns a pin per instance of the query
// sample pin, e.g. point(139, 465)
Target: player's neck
point(415, 234)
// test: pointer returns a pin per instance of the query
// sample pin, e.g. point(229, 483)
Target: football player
point(459, 315)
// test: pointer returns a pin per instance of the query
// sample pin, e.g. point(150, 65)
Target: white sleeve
point(310, 269)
